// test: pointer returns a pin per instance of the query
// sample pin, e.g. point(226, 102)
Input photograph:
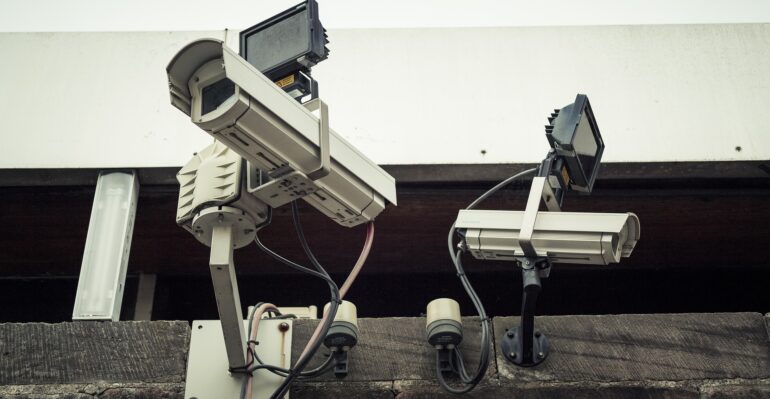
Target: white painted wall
point(188, 15)
point(408, 96)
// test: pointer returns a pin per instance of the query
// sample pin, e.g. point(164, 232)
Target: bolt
point(509, 334)
point(538, 334)
point(283, 327)
point(512, 355)
point(540, 355)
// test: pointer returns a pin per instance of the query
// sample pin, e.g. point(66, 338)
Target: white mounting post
point(226, 292)
point(105, 258)
point(224, 229)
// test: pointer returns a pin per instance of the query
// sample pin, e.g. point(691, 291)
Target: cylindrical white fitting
point(443, 326)
point(343, 333)
point(346, 312)
point(443, 309)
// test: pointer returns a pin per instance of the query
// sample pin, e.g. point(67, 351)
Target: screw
point(283, 327)
point(537, 334)
point(512, 355)
point(540, 355)
point(509, 334)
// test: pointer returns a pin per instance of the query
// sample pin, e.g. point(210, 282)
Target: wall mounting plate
point(207, 375)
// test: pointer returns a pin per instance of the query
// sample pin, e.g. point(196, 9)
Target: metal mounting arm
point(226, 292)
point(523, 345)
point(226, 228)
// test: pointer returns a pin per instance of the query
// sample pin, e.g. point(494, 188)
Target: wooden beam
point(92, 351)
point(706, 356)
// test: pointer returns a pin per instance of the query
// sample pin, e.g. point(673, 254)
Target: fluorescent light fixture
point(103, 272)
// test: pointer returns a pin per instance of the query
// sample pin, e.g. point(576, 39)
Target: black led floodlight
point(286, 44)
point(574, 135)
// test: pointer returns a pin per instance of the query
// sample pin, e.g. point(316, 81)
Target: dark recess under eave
point(700, 241)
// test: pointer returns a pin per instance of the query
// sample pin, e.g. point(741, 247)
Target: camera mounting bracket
point(523, 345)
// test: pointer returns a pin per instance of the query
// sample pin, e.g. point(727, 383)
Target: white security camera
point(562, 237)
point(236, 104)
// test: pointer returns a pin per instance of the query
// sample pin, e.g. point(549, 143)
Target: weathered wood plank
point(391, 349)
point(665, 347)
point(86, 352)
point(759, 390)
point(588, 390)
point(91, 391)
point(342, 389)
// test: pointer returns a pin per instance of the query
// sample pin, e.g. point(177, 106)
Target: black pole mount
point(523, 345)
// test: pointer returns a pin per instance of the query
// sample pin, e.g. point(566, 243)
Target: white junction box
point(207, 375)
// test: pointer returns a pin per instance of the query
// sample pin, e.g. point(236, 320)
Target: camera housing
point(239, 106)
point(562, 237)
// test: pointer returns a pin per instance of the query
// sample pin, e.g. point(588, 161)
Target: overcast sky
point(183, 15)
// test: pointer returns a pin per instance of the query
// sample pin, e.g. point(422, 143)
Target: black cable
point(332, 308)
point(289, 263)
point(333, 305)
point(470, 381)
point(283, 372)
point(444, 384)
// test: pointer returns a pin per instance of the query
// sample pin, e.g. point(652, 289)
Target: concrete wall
point(408, 96)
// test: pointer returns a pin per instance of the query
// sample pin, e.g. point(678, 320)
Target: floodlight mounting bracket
point(324, 152)
point(522, 345)
point(540, 189)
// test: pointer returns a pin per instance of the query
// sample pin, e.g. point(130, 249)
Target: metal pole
point(532, 287)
